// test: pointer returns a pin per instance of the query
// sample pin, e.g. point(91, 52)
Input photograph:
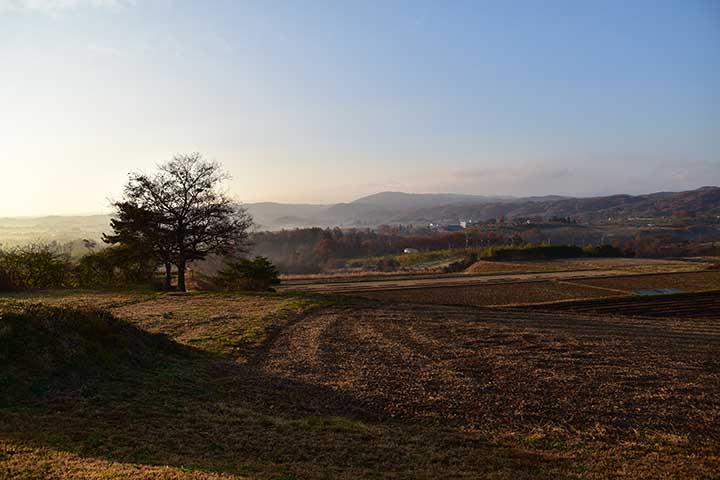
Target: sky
point(325, 101)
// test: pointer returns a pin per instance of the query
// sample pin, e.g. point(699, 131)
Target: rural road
point(442, 281)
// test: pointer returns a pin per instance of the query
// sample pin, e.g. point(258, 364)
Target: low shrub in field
point(34, 267)
point(244, 275)
point(43, 348)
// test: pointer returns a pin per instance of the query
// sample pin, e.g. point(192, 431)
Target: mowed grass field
point(290, 386)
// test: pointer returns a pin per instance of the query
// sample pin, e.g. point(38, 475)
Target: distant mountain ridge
point(405, 208)
point(702, 201)
point(417, 200)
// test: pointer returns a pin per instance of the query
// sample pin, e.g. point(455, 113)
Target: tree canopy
point(179, 214)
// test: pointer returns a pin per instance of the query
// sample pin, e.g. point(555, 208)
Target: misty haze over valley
point(387, 208)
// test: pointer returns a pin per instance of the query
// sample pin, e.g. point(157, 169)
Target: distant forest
point(313, 250)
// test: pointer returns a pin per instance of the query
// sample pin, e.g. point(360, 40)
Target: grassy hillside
point(121, 402)
point(46, 349)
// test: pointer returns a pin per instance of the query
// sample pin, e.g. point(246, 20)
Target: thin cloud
point(60, 6)
point(560, 179)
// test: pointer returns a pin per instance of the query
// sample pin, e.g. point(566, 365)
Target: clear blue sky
point(321, 101)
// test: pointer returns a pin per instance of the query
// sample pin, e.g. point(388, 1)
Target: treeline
point(662, 246)
point(312, 250)
point(550, 252)
point(50, 266)
point(45, 266)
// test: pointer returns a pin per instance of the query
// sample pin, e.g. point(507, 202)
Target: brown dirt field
point(561, 379)
point(287, 387)
point(694, 281)
point(705, 305)
point(634, 265)
point(491, 294)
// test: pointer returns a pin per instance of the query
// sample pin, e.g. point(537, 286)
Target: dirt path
point(512, 371)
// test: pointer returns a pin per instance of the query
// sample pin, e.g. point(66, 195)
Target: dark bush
point(247, 275)
point(95, 269)
point(540, 252)
point(603, 251)
point(115, 266)
point(388, 264)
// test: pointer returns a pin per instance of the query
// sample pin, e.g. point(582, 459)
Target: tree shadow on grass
point(204, 412)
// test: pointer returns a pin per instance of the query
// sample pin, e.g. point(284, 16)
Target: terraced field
point(497, 294)
point(704, 305)
point(687, 281)
point(559, 287)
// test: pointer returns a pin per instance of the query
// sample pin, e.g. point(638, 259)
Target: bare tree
point(190, 217)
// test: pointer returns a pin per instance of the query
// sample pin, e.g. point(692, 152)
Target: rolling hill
point(406, 208)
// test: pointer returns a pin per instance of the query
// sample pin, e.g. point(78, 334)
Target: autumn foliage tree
point(179, 214)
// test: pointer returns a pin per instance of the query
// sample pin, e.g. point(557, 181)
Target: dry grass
point(214, 411)
point(299, 387)
point(218, 323)
point(484, 266)
point(633, 265)
point(630, 265)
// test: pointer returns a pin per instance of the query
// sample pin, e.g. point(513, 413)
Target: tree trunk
point(168, 277)
point(181, 276)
